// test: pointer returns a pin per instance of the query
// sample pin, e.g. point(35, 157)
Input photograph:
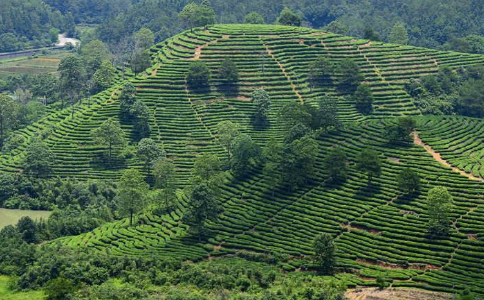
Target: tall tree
point(364, 99)
point(336, 165)
point(324, 253)
point(38, 160)
point(8, 116)
point(141, 117)
point(401, 131)
point(226, 134)
point(165, 178)
point(228, 71)
point(187, 15)
point(94, 54)
point(369, 163)
point(109, 134)
point(351, 75)
point(245, 153)
point(143, 39)
point(399, 34)
point(202, 206)
point(289, 18)
point(298, 161)
point(328, 115)
point(104, 76)
point(262, 103)
point(272, 155)
point(131, 196)
point(408, 181)
point(140, 61)
point(208, 168)
point(127, 99)
point(148, 151)
point(320, 71)
point(439, 205)
point(72, 77)
point(198, 76)
point(254, 18)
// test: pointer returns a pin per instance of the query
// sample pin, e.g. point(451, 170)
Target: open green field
point(32, 65)
point(377, 230)
point(11, 216)
point(7, 294)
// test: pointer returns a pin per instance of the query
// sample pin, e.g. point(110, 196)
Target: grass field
point(32, 65)
point(7, 294)
point(11, 216)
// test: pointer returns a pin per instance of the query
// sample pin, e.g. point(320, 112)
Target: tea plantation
point(377, 229)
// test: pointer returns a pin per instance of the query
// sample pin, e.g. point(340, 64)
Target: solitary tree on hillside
point(228, 71)
point(399, 34)
point(202, 206)
point(38, 160)
point(262, 102)
point(369, 163)
point(127, 98)
point(93, 54)
point(328, 115)
point(104, 76)
point(244, 154)
point(272, 155)
point(298, 161)
point(187, 15)
point(140, 61)
point(364, 99)
point(408, 181)
point(324, 253)
point(226, 133)
point(72, 77)
point(109, 134)
point(207, 168)
point(254, 18)
point(198, 75)
point(143, 39)
point(165, 179)
point(401, 131)
point(289, 18)
point(8, 116)
point(205, 15)
point(439, 205)
point(335, 164)
point(131, 196)
point(320, 71)
point(351, 75)
point(141, 117)
point(148, 151)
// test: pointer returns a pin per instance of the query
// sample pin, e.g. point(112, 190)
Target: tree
point(364, 99)
point(320, 71)
point(351, 75)
point(8, 116)
point(140, 61)
point(328, 115)
point(228, 71)
point(204, 15)
point(298, 161)
point(207, 168)
point(401, 131)
point(109, 134)
point(254, 18)
point(272, 155)
point(289, 18)
point(324, 253)
point(131, 196)
point(335, 164)
point(104, 76)
point(371, 34)
point(127, 99)
point(38, 159)
point(148, 151)
point(262, 102)
point(226, 134)
point(399, 34)
point(198, 76)
point(294, 113)
point(439, 205)
point(141, 117)
point(165, 179)
point(202, 206)
point(369, 162)
point(59, 289)
point(408, 181)
point(143, 39)
point(296, 132)
point(28, 230)
point(94, 54)
point(187, 15)
point(245, 152)
point(72, 77)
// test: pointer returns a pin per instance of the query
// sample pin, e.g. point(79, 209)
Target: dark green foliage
point(131, 194)
point(59, 289)
point(401, 131)
point(198, 76)
point(328, 116)
point(202, 206)
point(364, 99)
point(8, 115)
point(289, 18)
point(110, 135)
point(127, 98)
point(262, 102)
point(254, 18)
point(208, 168)
point(370, 34)
point(165, 178)
point(368, 162)
point(320, 71)
point(28, 230)
point(245, 153)
point(351, 75)
point(38, 159)
point(226, 134)
point(272, 155)
point(228, 71)
point(298, 161)
point(141, 116)
point(148, 151)
point(140, 61)
point(324, 253)
point(335, 165)
point(296, 132)
point(408, 181)
point(72, 77)
point(382, 282)
point(439, 205)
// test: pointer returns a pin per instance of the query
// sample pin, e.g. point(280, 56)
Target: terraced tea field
point(377, 229)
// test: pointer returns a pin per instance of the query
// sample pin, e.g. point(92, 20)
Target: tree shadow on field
point(368, 191)
point(229, 90)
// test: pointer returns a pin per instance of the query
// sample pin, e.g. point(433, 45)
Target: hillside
point(377, 229)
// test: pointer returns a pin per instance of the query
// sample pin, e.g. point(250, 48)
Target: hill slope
point(376, 229)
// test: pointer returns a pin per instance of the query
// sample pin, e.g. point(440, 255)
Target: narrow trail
point(418, 141)
point(293, 86)
point(197, 114)
point(198, 50)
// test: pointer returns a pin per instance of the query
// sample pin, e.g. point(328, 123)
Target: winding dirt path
point(418, 141)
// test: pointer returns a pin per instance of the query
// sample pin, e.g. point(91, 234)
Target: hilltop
point(377, 229)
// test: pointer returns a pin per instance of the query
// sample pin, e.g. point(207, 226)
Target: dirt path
point(198, 50)
point(394, 294)
point(418, 141)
